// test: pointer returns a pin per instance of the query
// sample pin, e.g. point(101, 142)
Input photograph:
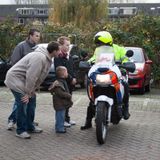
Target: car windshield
point(137, 56)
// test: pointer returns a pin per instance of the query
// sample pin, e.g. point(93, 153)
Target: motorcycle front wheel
point(101, 122)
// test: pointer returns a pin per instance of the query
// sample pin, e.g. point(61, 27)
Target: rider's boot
point(119, 110)
point(90, 115)
point(126, 113)
point(88, 124)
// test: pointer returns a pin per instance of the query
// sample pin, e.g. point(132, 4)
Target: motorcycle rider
point(104, 42)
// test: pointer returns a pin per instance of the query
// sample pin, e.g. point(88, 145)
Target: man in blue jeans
point(22, 49)
point(23, 79)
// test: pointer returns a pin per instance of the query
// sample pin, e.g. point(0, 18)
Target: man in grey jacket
point(24, 78)
point(22, 49)
point(26, 46)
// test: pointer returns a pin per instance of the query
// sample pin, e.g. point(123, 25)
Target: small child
point(61, 98)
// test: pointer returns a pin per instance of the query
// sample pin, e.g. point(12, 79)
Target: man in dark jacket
point(66, 60)
point(26, 46)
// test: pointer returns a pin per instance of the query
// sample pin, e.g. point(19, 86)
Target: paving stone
point(135, 139)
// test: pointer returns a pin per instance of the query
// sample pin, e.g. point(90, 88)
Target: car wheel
point(84, 83)
point(148, 88)
point(85, 80)
point(142, 90)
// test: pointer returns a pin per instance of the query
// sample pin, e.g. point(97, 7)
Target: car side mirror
point(148, 62)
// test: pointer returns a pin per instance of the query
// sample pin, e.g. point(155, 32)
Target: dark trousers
point(90, 111)
point(67, 117)
point(126, 94)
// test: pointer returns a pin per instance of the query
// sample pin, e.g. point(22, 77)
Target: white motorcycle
point(106, 91)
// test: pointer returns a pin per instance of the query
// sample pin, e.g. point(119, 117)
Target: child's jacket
point(61, 95)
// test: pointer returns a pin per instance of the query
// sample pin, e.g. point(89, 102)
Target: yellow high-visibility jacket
point(118, 51)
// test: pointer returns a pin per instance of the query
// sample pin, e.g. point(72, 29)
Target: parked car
point(4, 67)
point(51, 77)
point(141, 79)
point(77, 55)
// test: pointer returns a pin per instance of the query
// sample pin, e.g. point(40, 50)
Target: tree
point(79, 12)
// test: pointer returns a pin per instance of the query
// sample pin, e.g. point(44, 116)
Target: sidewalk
point(135, 139)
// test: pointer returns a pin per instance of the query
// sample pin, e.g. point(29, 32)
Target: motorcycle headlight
point(103, 79)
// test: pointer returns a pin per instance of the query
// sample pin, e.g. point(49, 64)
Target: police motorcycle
point(106, 91)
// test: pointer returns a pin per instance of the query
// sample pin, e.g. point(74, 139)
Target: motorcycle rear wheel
point(101, 122)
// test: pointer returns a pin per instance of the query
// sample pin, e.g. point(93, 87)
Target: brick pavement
point(135, 139)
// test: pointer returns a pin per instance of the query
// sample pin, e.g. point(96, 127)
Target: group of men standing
point(30, 66)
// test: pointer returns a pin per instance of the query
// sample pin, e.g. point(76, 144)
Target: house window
point(21, 20)
point(128, 10)
point(113, 11)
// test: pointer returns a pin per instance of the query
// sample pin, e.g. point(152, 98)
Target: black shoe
point(86, 126)
point(61, 131)
point(35, 123)
point(126, 115)
point(35, 130)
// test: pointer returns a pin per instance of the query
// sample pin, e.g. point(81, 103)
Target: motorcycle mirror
point(84, 65)
point(129, 53)
point(75, 57)
point(118, 62)
point(129, 66)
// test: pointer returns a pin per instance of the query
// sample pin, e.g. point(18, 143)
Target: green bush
point(142, 31)
point(10, 35)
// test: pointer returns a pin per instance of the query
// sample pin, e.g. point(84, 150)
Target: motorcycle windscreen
point(105, 58)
